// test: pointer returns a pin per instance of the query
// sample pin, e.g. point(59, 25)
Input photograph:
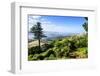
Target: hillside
point(34, 43)
point(63, 48)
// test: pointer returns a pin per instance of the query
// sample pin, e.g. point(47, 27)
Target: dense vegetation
point(68, 47)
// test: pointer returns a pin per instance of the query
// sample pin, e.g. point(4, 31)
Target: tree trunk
point(39, 45)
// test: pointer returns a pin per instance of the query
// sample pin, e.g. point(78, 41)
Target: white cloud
point(49, 26)
point(63, 29)
point(32, 20)
point(35, 17)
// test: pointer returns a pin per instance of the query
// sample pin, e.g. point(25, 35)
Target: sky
point(64, 24)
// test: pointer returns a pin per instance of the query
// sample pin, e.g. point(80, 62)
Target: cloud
point(63, 29)
point(32, 20)
point(50, 26)
point(35, 17)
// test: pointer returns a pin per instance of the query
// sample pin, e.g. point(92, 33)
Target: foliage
point(85, 25)
point(68, 47)
point(38, 33)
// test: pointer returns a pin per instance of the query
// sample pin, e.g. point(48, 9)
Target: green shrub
point(30, 57)
point(63, 48)
point(51, 57)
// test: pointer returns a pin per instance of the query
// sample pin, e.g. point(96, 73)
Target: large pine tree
point(38, 33)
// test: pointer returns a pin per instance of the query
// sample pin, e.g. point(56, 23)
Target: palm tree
point(38, 33)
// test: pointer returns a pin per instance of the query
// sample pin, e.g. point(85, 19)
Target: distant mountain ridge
point(51, 35)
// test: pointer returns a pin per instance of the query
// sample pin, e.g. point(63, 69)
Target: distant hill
point(52, 35)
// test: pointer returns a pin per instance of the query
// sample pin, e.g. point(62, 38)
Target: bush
point(68, 47)
point(30, 57)
point(80, 53)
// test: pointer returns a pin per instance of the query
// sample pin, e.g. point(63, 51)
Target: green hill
point(64, 48)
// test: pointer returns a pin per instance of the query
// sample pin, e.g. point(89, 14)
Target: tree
point(85, 25)
point(38, 33)
point(86, 18)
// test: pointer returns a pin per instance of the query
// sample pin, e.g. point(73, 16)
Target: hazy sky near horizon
point(64, 24)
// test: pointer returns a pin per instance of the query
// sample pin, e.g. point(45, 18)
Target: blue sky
point(64, 24)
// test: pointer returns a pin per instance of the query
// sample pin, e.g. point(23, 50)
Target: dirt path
point(34, 43)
